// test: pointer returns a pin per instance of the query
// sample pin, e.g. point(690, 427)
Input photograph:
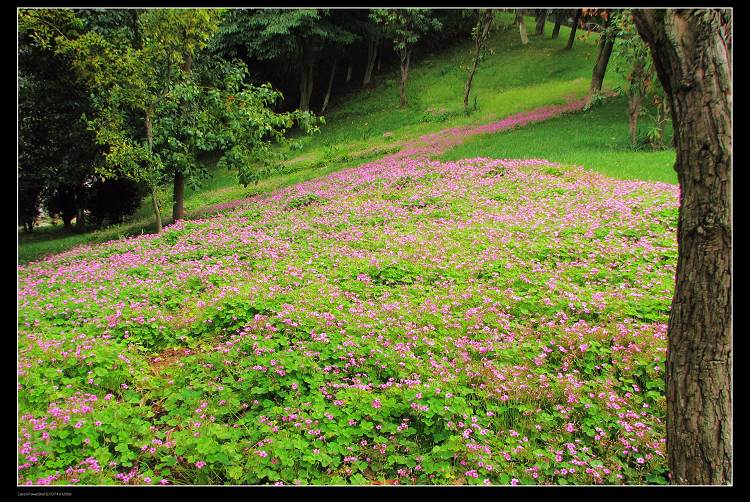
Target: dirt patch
point(168, 357)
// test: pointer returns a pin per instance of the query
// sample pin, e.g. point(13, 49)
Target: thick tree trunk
point(372, 54)
point(606, 43)
point(150, 138)
point(522, 27)
point(572, 37)
point(405, 56)
point(541, 18)
point(692, 56)
point(178, 205)
point(634, 109)
point(558, 21)
point(330, 85)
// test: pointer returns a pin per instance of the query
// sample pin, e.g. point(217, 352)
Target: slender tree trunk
point(348, 72)
point(634, 109)
point(178, 190)
point(178, 206)
point(80, 218)
point(558, 20)
point(405, 55)
point(470, 77)
point(606, 43)
point(692, 56)
point(380, 59)
point(572, 37)
point(157, 213)
point(662, 114)
point(306, 86)
point(330, 85)
point(541, 18)
point(522, 27)
point(372, 54)
point(150, 138)
point(485, 23)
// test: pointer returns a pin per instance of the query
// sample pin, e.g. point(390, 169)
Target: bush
point(112, 200)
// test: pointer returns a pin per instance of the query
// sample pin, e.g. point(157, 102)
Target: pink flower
point(376, 403)
point(200, 464)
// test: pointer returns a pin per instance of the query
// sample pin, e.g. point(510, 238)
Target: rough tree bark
point(330, 85)
point(573, 29)
point(405, 56)
point(522, 27)
point(606, 43)
point(541, 18)
point(558, 21)
point(692, 56)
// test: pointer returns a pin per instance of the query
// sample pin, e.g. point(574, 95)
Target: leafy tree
point(692, 54)
point(632, 61)
point(57, 154)
point(485, 18)
point(405, 28)
point(111, 200)
point(155, 115)
point(371, 32)
point(298, 36)
point(607, 37)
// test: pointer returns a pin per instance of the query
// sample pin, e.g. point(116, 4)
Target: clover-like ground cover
point(408, 321)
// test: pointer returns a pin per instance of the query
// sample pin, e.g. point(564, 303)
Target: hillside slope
point(408, 321)
point(368, 124)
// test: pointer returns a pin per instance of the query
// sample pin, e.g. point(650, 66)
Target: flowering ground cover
point(409, 321)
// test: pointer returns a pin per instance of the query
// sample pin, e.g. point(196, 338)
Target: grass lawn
point(596, 139)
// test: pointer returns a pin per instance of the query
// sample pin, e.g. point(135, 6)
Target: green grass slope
point(594, 139)
point(512, 78)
